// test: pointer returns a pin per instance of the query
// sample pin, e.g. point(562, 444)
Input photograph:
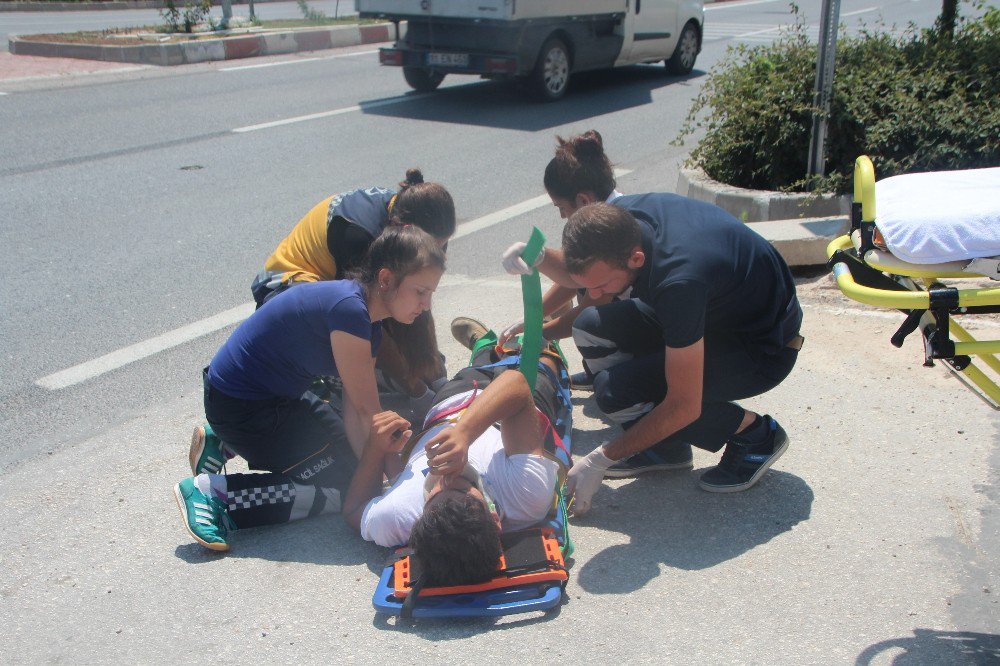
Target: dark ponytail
point(426, 205)
point(580, 165)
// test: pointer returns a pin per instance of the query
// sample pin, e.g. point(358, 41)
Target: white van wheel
point(551, 75)
point(682, 61)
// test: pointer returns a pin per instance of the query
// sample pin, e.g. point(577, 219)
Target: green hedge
point(913, 103)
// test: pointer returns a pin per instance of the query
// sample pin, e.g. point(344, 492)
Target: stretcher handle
point(864, 187)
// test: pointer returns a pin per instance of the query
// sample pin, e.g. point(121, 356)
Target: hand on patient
point(510, 332)
point(585, 478)
point(389, 432)
point(448, 451)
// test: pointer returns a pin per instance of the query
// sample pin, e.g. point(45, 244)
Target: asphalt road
point(138, 207)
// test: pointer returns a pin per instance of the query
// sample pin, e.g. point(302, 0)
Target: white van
point(540, 41)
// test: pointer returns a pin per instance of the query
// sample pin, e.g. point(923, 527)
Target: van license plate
point(448, 59)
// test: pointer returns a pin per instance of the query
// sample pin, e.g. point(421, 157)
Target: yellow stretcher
point(876, 277)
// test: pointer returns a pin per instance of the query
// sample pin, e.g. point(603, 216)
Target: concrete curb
point(204, 50)
point(800, 226)
point(802, 242)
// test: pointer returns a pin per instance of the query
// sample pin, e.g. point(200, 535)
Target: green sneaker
point(206, 454)
point(204, 517)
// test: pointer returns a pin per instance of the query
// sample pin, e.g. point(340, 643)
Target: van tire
point(423, 79)
point(551, 76)
point(688, 46)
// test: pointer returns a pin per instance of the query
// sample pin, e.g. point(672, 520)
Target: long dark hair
point(580, 165)
point(405, 250)
point(426, 205)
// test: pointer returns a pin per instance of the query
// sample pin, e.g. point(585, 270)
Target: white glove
point(514, 264)
point(510, 332)
point(585, 478)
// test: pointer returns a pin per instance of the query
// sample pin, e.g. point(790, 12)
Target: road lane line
point(860, 11)
point(737, 5)
point(327, 114)
point(146, 348)
point(510, 212)
point(122, 357)
point(295, 62)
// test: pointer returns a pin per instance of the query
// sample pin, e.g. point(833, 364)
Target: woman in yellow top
point(333, 238)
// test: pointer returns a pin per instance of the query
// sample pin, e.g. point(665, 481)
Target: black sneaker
point(581, 381)
point(742, 465)
point(663, 458)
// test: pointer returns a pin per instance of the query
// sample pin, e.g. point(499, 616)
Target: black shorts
point(479, 377)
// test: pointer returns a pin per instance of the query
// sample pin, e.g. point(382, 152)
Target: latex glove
point(514, 264)
point(510, 332)
point(585, 477)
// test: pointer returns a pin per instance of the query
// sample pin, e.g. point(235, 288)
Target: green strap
point(531, 294)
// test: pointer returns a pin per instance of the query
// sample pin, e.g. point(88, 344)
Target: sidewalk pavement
point(874, 538)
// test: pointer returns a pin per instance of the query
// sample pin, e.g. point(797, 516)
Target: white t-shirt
point(522, 485)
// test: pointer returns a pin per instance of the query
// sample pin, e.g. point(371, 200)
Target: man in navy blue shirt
point(706, 314)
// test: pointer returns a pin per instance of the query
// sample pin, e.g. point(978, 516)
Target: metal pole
point(824, 86)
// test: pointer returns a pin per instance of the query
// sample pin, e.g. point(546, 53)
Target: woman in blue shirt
point(258, 399)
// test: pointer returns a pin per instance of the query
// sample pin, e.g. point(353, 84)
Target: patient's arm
point(508, 400)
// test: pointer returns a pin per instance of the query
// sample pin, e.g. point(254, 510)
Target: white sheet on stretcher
point(939, 216)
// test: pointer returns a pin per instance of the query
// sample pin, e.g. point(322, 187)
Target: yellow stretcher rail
point(910, 295)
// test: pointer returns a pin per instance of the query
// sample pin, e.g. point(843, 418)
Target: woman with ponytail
point(332, 239)
point(578, 175)
point(258, 398)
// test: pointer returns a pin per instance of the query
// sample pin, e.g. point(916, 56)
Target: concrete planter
point(759, 205)
point(799, 226)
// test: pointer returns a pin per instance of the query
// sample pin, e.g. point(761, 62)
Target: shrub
point(917, 102)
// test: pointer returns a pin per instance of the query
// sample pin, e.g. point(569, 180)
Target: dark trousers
point(300, 444)
point(623, 347)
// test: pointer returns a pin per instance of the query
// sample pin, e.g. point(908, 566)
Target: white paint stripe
point(510, 212)
point(860, 11)
point(737, 5)
point(327, 114)
point(144, 349)
point(268, 64)
point(140, 350)
point(3, 93)
point(295, 62)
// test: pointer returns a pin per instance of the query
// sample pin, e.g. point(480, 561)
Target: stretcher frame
point(868, 275)
point(520, 597)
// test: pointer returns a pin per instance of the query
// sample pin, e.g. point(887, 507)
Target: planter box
point(759, 205)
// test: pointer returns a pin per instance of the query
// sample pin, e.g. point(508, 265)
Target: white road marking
point(510, 212)
point(327, 114)
point(860, 11)
point(122, 357)
point(294, 62)
point(146, 348)
point(737, 5)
